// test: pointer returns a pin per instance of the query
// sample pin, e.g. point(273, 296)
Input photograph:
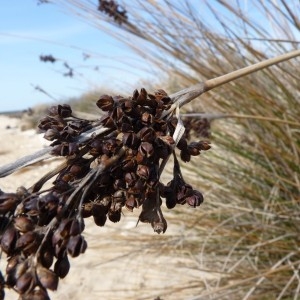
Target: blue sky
point(28, 30)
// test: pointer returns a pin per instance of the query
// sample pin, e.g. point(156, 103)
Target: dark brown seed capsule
point(159, 226)
point(204, 145)
point(146, 149)
point(76, 245)
point(64, 110)
point(117, 114)
point(114, 216)
point(46, 257)
point(51, 134)
point(47, 278)
point(130, 140)
point(118, 197)
point(12, 263)
point(108, 122)
point(105, 103)
point(147, 134)
point(37, 294)
point(141, 159)
point(24, 282)
point(126, 127)
point(159, 94)
point(23, 224)
point(8, 202)
point(147, 119)
point(130, 178)
point(64, 227)
point(11, 269)
point(100, 220)
point(195, 200)
point(119, 184)
point(101, 207)
point(86, 211)
point(130, 203)
point(143, 172)
point(185, 156)
point(141, 97)
point(8, 240)
point(27, 242)
point(77, 227)
point(62, 266)
point(182, 144)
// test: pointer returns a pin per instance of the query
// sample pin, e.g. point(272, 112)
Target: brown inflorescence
point(113, 10)
point(105, 171)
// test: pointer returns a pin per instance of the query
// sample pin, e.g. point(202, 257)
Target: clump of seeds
point(111, 163)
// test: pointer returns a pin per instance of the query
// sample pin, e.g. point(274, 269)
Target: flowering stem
point(185, 96)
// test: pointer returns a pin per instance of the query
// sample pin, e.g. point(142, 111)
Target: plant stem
point(185, 96)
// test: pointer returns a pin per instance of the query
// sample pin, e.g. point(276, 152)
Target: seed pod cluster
point(105, 171)
point(113, 10)
point(200, 127)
